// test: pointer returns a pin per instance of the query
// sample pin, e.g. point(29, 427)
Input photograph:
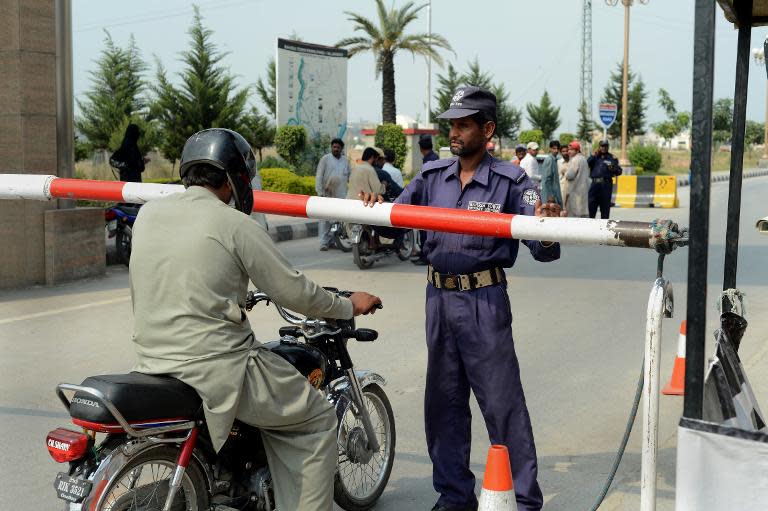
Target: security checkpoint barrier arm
point(662, 236)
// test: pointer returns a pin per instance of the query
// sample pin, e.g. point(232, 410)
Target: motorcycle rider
point(193, 257)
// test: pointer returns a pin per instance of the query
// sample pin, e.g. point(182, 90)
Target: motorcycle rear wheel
point(142, 484)
point(357, 467)
point(405, 249)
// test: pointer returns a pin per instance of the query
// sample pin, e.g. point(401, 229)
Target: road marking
point(53, 312)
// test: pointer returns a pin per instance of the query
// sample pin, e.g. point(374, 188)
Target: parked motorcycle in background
point(120, 219)
point(342, 235)
point(368, 247)
point(157, 455)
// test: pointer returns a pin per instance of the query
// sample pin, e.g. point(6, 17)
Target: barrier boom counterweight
point(662, 236)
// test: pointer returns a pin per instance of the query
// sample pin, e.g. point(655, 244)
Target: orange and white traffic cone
point(498, 493)
point(676, 385)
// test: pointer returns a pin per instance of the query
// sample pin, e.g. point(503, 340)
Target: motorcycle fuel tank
point(308, 360)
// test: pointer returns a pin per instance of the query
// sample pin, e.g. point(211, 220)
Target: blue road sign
point(608, 113)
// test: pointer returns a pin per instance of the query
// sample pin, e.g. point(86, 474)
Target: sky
point(529, 45)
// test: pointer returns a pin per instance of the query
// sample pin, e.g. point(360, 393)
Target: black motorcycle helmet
point(227, 151)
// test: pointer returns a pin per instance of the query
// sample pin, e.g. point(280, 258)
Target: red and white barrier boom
point(662, 236)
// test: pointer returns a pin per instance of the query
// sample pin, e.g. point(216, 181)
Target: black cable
point(623, 446)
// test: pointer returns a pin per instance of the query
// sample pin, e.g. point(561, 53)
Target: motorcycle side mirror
point(366, 335)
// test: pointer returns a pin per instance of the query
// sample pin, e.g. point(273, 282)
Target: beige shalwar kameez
point(191, 261)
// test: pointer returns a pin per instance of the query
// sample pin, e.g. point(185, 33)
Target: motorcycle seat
point(129, 209)
point(140, 398)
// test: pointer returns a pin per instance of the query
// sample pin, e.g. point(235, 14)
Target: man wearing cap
point(602, 167)
point(529, 162)
point(468, 316)
point(577, 176)
point(550, 180)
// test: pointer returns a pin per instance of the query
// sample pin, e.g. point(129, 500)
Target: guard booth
point(722, 454)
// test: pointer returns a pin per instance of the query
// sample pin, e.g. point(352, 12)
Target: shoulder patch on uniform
point(530, 196)
point(509, 170)
point(437, 164)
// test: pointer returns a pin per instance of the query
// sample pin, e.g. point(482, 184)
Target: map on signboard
point(312, 87)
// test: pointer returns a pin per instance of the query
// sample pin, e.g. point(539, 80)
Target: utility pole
point(624, 92)
point(428, 103)
point(585, 99)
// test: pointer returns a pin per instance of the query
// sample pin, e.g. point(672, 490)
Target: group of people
point(578, 184)
point(374, 173)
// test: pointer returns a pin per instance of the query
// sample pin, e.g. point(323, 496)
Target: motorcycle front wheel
point(123, 244)
point(361, 251)
point(142, 485)
point(405, 250)
point(342, 238)
point(362, 475)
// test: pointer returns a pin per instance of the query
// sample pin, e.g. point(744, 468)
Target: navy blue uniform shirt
point(603, 165)
point(498, 186)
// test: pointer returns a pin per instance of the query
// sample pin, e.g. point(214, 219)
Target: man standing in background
point(578, 181)
point(331, 181)
point(550, 180)
point(530, 164)
point(603, 166)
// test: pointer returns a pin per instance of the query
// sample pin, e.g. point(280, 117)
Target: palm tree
point(387, 38)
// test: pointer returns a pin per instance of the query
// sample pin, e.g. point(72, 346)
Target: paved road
point(578, 325)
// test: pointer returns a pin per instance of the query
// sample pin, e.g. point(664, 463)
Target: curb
point(718, 178)
point(295, 231)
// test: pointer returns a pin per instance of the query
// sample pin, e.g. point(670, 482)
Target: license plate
point(112, 225)
point(71, 489)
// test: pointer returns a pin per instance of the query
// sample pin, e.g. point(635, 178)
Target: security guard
point(191, 262)
point(468, 317)
point(602, 167)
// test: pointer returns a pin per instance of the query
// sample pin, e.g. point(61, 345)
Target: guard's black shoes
point(438, 507)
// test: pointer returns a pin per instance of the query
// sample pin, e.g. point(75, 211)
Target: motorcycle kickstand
point(357, 396)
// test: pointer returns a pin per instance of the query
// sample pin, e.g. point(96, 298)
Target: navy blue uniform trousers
point(599, 196)
point(469, 345)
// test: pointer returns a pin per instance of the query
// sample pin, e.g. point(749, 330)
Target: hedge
point(647, 157)
point(283, 180)
point(391, 136)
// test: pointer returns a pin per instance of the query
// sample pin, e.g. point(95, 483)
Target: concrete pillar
point(28, 145)
point(27, 131)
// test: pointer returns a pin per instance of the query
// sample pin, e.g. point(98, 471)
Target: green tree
point(676, 122)
point(754, 133)
point(477, 77)
point(635, 98)
point(507, 116)
point(527, 136)
point(544, 116)
point(385, 37)
point(149, 137)
point(290, 142)
point(391, 136)
point(722, 120)
point(116, 93)
point(446, 87)
point(206, 98)
point(566, 138)
point(266, 89)
point(586, 125)
point(258, 131)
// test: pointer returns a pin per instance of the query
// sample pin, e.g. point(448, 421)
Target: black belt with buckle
point(466, 282)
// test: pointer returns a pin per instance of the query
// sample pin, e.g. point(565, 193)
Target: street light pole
point(759, 56)
point(428, 102)
point(625, 78)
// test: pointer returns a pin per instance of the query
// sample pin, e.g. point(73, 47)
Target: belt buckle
point(450, 282)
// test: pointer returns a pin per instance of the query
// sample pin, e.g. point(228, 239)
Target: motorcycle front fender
point(339, 391)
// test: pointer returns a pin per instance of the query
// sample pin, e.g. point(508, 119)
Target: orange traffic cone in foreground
point(676, 385)
point(498, 493)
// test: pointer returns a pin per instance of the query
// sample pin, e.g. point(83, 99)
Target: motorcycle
point(120, 219)
point(341, 235)
point(368, 247)
point(157, 454)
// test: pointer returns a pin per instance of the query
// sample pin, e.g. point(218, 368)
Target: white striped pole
point(584, 231)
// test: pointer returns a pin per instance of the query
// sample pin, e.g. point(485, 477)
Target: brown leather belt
point(466, 282)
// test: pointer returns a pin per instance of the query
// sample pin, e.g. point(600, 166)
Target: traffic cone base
point(498, 493)
point(676, 385)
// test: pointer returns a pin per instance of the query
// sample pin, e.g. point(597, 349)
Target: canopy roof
point(734, 10)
